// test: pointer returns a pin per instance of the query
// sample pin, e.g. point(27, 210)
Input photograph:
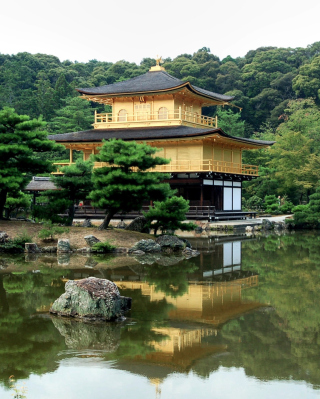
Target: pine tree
point(126, 182)
point(73, 186)
point(76, 115)
point(169, 215)
point(21, 143)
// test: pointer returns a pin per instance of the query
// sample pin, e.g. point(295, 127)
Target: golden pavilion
point(165, 112)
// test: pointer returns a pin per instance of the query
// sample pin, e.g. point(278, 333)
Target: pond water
point(240, 320)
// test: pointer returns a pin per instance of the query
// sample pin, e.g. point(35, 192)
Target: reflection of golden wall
point(213, 304)
point(179, 338)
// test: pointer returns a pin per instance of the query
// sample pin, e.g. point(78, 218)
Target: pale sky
point(131, 30)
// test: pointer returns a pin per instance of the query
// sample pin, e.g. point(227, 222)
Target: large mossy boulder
point(145, 246)
point(91, 298)
point(168, 242)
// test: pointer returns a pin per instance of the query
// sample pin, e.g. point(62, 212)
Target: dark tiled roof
point(40, 184)
point(150, 82)
point(148, 133)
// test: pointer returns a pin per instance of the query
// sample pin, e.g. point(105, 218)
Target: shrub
point(254, 203)
point(169, 215)
point(286, 207)
point(102, 247)
point(50, 230)
point(16, 244)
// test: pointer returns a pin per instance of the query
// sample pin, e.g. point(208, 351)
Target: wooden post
point(71, 155)
point(180, 117)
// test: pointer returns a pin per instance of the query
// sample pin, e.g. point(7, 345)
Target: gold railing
point(197, 165)
point(193, 165)
point(140, 117)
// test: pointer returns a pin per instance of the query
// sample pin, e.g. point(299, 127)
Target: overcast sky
point(131, 30)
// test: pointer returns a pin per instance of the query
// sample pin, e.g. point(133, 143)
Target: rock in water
point(63, 245)
point(145, 246)
point(172, 242)
point(91, 298)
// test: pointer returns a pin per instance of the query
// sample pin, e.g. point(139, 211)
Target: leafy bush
point(271, 204)
point(102, 247)
point(17, 244)
point(50, 230)
point(286, 207)
point(308, 216)
point(169, 215)
point(254, 203)
point(300, 208)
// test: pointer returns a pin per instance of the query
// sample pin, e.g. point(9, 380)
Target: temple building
point(156, 108)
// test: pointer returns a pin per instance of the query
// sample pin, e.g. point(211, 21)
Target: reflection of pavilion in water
point(214, 296)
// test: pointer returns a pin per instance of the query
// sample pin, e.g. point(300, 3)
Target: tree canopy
point(124, 183)
point(22, 143)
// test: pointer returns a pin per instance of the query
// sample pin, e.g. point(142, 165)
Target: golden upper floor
point(153, 99)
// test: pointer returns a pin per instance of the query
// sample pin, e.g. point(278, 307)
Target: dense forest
point(278, 90)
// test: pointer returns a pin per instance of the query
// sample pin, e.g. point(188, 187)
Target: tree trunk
point(104, 225)
point(71, 215)
point(3, 199)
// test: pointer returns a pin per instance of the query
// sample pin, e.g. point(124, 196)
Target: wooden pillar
point(71, 155)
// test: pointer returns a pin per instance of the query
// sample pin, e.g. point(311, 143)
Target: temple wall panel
point(207, 151)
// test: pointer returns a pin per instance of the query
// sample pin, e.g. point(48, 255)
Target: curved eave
point(159, 135)
point(187, 85)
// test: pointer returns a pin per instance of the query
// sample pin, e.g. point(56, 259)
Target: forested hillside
point(278, 90)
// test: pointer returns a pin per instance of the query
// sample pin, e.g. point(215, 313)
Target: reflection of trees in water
point(281, 342)
point(172, 280)
point(28, 344)
point(288, 268)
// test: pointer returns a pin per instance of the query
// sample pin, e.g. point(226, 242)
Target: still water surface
point(241, 320)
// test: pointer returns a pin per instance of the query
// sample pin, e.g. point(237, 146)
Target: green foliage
point(254, 203)
point(126, 183)
point(50, 230)
point(308, 216)
point(22, 142)
point(15, 201)
point(271, 204)
point(230, 122)
point(286, 207)
point(103, 247)
point(17, 244)
point(169, 215)
point(73, 186)
point(74, 116)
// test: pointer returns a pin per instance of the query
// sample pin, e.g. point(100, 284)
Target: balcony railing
point(103, 120)
point(194, 165)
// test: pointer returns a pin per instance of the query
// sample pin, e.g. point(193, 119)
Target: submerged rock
point(190, 253)
point(80, 334)
point(92, 298)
